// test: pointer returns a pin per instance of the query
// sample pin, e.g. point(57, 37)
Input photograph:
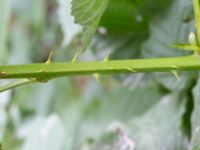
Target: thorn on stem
point(131, 69)
point(175, 73)
point(106, 59)
point(97, 77)
point(75, 57)
point(49, 60)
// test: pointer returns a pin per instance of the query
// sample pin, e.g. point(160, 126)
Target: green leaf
point(88, 14)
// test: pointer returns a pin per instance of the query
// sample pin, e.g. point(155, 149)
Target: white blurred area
point(4, 100)
point(69, 27)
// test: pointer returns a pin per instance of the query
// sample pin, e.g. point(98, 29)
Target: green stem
point(47, 71)
point(197, 19)
point(15, 84)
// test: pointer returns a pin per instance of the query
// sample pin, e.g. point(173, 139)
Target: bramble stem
point(44, 72)
point(48, 71)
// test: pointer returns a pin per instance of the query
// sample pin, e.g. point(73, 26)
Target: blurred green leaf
point(169, 28)
point(128, 21)
point(45, 134)
point(126, 31)
point(165, 30)
point(157, 129)
point(132, 20)
point(127, 103)
point(117, 104)
point(160, 127)
point(195, 142)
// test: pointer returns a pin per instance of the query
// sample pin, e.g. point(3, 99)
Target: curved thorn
point(50, 58)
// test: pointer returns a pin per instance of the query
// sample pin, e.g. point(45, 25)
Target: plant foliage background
point(132, 112)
